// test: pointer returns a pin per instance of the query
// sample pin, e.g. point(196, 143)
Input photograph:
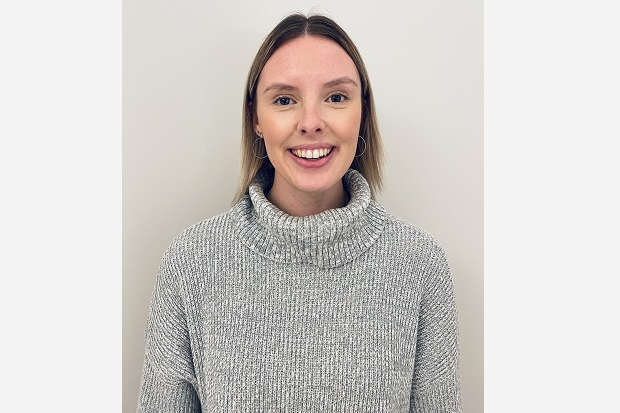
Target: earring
point(357, 156)
point(254, 146)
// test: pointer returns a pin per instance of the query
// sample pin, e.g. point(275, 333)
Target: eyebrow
point(280, 87)
point(336, 82)
point(341, 81)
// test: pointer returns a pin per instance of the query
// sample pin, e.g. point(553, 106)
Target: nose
point(311, 121)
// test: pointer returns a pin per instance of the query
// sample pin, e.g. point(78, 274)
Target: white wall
point(184, 67)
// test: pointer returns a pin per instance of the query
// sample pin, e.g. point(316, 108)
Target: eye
point(283, 101)
point(337, 98)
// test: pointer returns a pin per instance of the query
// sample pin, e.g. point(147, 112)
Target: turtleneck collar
point(329, 239)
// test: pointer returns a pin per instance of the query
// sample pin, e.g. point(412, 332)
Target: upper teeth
point(311, 153)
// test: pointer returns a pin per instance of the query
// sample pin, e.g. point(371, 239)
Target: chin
point(318, 185)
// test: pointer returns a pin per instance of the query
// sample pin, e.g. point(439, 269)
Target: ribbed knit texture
point(350, 310)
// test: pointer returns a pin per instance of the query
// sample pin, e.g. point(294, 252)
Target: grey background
point(184, 68)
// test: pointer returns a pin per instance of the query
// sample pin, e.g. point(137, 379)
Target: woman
point(307, 295)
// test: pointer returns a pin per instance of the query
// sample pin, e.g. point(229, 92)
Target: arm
point(436, 384)
point(168, 378)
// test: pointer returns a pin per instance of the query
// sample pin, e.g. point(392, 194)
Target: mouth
point(311, 154)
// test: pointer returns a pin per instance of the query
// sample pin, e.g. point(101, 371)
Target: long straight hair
point(253, 157)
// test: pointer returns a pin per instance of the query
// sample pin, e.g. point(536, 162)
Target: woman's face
point(309, 110)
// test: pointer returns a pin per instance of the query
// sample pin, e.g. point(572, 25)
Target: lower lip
point(312, 163)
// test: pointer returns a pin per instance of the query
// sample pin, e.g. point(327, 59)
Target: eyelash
point(345, 97)
point(277, 101)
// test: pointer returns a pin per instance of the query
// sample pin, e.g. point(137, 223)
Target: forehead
point(308, 59)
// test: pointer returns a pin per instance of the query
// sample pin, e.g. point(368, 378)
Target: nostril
point(305, 130)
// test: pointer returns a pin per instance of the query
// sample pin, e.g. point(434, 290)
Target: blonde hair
point(370, 163)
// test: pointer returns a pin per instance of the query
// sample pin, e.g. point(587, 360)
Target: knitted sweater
point(350, 310)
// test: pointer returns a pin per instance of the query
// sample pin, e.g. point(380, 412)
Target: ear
point(255, 122)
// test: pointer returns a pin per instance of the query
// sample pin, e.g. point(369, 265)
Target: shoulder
point(201, 237)
point(408, 235)
point(413, 246)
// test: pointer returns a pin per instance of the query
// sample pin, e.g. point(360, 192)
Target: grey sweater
point(350, 310)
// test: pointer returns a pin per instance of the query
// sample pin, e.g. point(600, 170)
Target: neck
point(303, 204)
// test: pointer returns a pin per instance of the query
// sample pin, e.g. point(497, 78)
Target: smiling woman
point(307, 295)
point(308, 111)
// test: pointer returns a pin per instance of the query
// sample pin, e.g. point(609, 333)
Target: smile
point(311, 153)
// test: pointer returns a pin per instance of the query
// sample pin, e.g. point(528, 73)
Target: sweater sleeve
point(436, 383)
point(168, 379)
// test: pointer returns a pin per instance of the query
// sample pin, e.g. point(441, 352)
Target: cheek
point(275, 136)
point(349, 127)
point(275, 127)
